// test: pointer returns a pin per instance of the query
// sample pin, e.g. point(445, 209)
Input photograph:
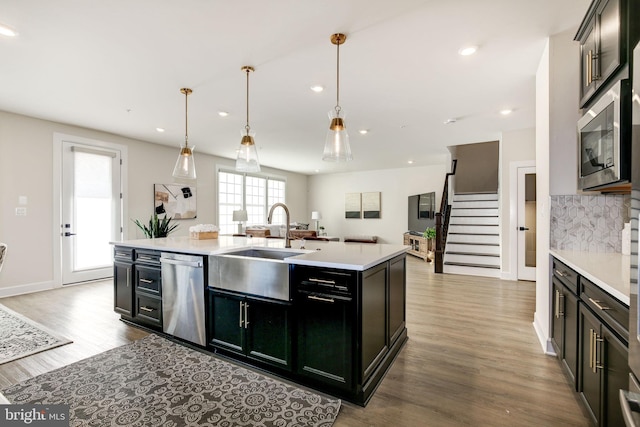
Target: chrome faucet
point(287, 242)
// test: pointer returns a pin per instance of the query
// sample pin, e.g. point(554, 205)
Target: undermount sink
point(263, 253)
point(260, 272)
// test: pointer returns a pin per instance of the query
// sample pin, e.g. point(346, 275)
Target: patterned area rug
point(20, 337)
point(155, 382)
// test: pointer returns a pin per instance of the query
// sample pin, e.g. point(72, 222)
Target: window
point(255, 194)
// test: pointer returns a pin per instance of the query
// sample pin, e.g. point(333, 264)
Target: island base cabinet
point(123, 288)
point(325, 352)
point(604, 370)
point(251, 327)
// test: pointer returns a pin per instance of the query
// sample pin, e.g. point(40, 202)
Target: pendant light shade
point(247, 160)
point(336, 145)
point(185, 167)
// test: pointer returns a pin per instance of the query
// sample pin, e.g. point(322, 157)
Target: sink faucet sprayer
point(287, 242)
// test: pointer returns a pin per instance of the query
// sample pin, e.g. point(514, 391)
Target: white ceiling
point(118, 65)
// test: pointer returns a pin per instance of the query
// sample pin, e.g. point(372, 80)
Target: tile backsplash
point(590, 223)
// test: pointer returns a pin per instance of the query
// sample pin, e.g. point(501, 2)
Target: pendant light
point(336, 146)
point(247, 160)
point(185, 166)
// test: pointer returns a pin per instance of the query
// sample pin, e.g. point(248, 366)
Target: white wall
point(516, 148)
point(26, 169)
point(327, 192)
point(557, 82)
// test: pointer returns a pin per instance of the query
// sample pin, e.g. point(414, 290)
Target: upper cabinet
point(606, 36)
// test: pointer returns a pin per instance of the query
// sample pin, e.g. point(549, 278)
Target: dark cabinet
point(604, 369)
point(607, 34)
point(564, 318)
point(123, 281)
point(397, 298)
point(137, 281)
point(251, 327)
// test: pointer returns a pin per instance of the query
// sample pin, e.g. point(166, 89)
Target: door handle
point(67, 234)
point(523, 228)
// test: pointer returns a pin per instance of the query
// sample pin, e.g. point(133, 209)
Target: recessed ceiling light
point(6, 30)
point(363, 131)
point(160, 130)
point(468, 50)
point(450, 121)
point(410, 162)
point(506, 112)
point(223, 113)
point(317, 88)
point(317, 170)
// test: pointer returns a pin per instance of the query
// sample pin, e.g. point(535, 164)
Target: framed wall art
point(352, 205)
point(371, 205)
point(175, 200)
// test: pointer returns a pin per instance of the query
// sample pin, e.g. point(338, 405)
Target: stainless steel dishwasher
point(183, 296)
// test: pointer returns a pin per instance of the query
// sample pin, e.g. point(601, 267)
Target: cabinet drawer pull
point(331, 300)
point(323, 281)
point(147, 309)
point(597, 304)
point(147, 258)
point(560, 273)
point(146, 280)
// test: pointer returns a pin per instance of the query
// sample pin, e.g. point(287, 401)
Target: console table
point(419, 245)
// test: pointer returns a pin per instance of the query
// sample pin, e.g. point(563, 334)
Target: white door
point(91, 211)
point(526, 223)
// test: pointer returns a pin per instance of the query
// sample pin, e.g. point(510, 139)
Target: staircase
point(473, 239)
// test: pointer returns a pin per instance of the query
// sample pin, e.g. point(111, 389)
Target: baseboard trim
point(26, 289)
point(545, 341)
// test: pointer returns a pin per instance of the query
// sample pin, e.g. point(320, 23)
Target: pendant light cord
point(186, 118)
point(247, 127)
point(338, 78)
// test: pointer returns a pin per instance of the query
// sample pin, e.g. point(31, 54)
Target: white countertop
point(610, 271)
point(349, 256)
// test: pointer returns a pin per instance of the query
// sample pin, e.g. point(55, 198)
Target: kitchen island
point(329, 315)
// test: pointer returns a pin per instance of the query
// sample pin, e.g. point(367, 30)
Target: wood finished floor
point(472, 358)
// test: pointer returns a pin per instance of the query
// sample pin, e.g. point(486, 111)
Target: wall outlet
point(21, 211)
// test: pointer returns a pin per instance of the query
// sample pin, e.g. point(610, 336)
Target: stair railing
point(442, 221)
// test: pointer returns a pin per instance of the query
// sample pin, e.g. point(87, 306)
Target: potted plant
point(158, 227)
point(430, 235)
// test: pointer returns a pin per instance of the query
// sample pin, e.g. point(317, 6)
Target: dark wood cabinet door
point(123, 288)
point(588, 65)
point(373, 323)
point(268, 333)
point(557, 318)
point(614, 356)
point(226, 315)
point(397, 295)
point(590, 383)
point(608, 23)
point(570, 344)
point(325, 340)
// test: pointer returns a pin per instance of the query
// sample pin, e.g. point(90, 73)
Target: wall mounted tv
point(422, 210)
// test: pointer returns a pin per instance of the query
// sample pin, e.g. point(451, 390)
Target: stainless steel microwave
point(604, 140)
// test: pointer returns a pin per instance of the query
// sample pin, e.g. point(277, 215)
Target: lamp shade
point(185, 167)
point(240, 215)
point(336, 147)
point(316, 215)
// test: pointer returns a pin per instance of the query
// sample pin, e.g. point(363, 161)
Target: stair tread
point(474, 225)
point(473, 243)
point(465, 264)
point(474, 234)
point(472, 254)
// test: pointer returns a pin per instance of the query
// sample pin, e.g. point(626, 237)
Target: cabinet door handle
point(146, 280)
point(591, 350)
point(597, 304)
point(246, 314)
point(324, 281)
point(241, 322)
point(596, 353)
point(561, 304)
point(147, 309)
point(331, 300)
point(557, 313)
point(128, 276)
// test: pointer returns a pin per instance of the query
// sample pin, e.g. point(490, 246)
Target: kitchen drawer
point(123, 254)
point(614, 313)
point(148, 279)
point(149, 309)
point(566, 275)
point(147, 256)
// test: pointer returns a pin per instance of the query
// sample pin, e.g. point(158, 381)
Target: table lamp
point(240, 216)
point(317, 216)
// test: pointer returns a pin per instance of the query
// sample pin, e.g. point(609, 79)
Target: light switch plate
point(22, 200)
point(21, 211)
